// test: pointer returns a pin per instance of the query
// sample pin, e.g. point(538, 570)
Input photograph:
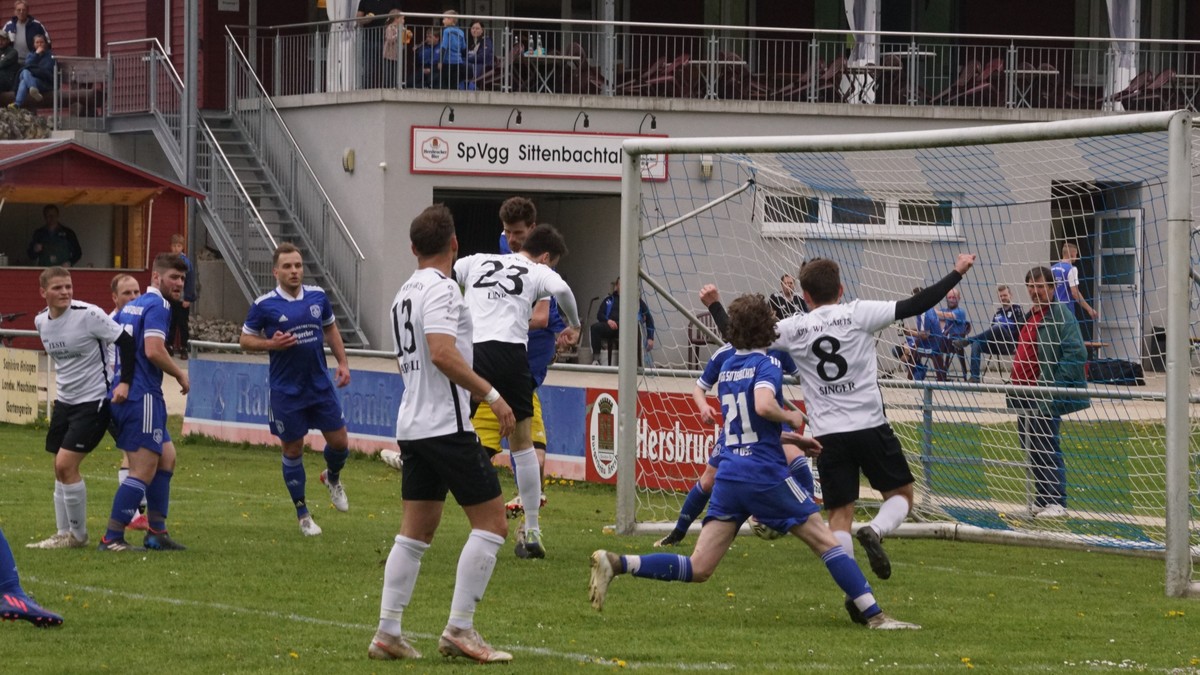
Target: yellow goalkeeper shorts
point(488, 428)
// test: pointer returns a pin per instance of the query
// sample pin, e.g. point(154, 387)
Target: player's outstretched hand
point(504, 415)
point(569, 336)
point(810, 445)
point(341, 376)
point(964, 262)
point(709, 294)
point(120, 393)
point(708, 415)
point(282, 340)
point(185, 385)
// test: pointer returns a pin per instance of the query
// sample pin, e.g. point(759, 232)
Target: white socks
point(74, 497)
point(475, 566)
point(529, 484)
point(399, 577)
point(891, 514)
point(60, 510)
point(845, 541)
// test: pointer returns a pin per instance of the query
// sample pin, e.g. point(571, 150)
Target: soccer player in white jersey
point(500, 291)
point(290, 322)
point(752, 479)
point(834, 346)
point(432, 329)
point(75, 335)
point(125, 288)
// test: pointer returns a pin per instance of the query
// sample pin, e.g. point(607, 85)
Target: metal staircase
point(258, 186)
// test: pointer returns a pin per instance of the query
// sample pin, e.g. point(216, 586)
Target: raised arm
point(932, 295)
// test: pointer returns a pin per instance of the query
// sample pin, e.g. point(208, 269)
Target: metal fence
point(729, 63)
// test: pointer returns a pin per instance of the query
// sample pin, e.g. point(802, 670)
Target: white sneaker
point(386, 647)
point(468, 643)
point(337, 493)
point(392, 459)
point(309, 527)
point(595, 362)
point(1052, 511)
point(604, 568)
point(60, 540)
point(882, 621)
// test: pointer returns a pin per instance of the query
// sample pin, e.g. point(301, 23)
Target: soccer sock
point(158, 497)
point(529, 484)
point(693, 505)
point(125, 504)
point(60, 509)
point(661, 566)
point(399, 577)
point(122, 474)
point(75, 503)
point(850, 579)
point(475, 565)
point(846, 540)
point(334, 460)
point(293, 478)
point(892, 512)
point(802, 472)
point(9, 581)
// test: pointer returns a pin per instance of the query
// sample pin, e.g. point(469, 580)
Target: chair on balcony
point(1134, 88)
point(493, 78)
point(736, 82)
point(635, 80)
point(966, 75)
point(666, 79)
point(892, 82)
point(792, 86)
point(826, 86)
point(585, 78)
point(1154, 96)
point(983, 89)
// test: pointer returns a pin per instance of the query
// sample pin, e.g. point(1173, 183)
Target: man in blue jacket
point(606, 327)
point(37, 75)
point(24, 29)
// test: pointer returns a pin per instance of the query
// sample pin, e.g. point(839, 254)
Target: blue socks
point(693, 505)
point(334, 461)
point(661, 566)
point(125, 504)
point(802, 472)
point(850, 579)
point(9, 583)
point(293, 478)
point(158, 496)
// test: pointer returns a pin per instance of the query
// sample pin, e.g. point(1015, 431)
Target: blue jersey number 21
point(735, 407)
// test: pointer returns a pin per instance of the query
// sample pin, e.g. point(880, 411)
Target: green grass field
point(252, 595)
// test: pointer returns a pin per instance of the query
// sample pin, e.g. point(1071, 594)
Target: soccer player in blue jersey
point(293, 322)
point(14, 604)
point(697, 497)
point(752, 479)
point(141, 420)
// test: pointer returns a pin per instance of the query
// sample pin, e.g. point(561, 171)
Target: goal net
point(894, 210)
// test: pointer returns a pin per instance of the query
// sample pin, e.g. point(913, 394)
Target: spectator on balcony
point(10, 63)
point(396, 37)
point(454, 51)
point(427, 60)
point(54, 243)
point(24, 28)
point(481, 54)
point(37, 75)
point(372, 20)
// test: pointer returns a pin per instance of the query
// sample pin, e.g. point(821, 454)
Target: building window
point(829, 217)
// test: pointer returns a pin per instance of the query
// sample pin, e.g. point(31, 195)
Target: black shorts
point(876, 452)
point(78, 427)
point(506, 366)
point(457, 463)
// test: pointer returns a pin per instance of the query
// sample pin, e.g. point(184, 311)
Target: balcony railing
point(540, 56)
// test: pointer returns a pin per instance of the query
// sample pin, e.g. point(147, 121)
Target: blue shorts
point(141, 423)
point(718, 452)
point(290, 418)
point(781, 506)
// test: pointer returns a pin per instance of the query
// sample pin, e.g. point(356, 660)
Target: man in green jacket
point(1050, 353)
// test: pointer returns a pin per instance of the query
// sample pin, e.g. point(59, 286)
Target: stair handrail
point(227, 167)
point(337, 217)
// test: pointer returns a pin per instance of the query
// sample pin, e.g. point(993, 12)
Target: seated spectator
point(54, 243)
point(954, 326)
point(481, 55)
point(1000, 337)
point(38, 74)
point(786, 302)
point(10, 63)
point(607, 328)
point(924, 340)
point(427, 59)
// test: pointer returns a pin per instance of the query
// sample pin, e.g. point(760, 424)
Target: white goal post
point(1172, 526)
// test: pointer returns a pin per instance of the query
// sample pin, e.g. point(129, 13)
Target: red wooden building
point(122, 215)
